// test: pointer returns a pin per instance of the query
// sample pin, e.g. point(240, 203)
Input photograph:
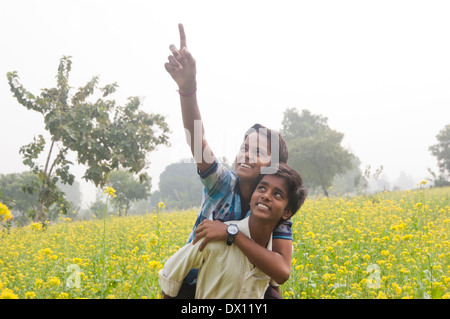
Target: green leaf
point(99, 142)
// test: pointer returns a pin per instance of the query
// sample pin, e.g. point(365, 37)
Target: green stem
point(104, 248)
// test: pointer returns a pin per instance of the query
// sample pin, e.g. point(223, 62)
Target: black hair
point(297, 192)
point(282, 145)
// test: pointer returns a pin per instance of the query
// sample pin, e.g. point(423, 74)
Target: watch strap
point(230, 240)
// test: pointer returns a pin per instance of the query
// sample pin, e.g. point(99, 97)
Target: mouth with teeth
point(245, 166)
point(262, 206)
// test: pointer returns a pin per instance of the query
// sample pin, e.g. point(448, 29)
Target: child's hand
point(181, 65)
point(210, 230)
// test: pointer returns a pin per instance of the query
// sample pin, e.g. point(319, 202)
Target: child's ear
point(287, 214)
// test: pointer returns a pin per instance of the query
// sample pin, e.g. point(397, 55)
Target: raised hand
point(181, 65)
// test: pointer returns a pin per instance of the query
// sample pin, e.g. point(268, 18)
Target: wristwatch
point(232, 231)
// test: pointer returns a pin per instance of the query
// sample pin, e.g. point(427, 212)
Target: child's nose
point(250, 156)
point(266, 196)
point(241, 157)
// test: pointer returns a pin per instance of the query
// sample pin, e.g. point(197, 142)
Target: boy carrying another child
point(227, 194)
point(224, 272)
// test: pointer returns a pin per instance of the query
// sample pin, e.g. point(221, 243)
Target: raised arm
point(182, 68)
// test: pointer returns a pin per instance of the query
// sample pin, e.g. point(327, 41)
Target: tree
point(441, 151)
point(128, 189)
point(351, 181)
point(86, 128)
point(373, 178)
point(315, 149)
point(179, 186)
point(14, 189)
point(295, 125)
point(404, 182)
point(72, 193)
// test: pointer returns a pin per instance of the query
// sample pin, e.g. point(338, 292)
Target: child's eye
point(261, 188)
point(261, 153)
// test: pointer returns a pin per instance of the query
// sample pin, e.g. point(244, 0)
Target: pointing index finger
point(182, 36)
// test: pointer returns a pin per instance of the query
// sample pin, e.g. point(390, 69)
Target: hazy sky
point(379, 70)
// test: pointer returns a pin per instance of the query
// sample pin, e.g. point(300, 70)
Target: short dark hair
point(282, 145)
point(297, 193)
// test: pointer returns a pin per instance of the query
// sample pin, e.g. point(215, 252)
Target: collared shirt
point(224, 271)
point(221, 200)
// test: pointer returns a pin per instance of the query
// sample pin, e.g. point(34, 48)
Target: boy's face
point(252, 156)
point(270, 199)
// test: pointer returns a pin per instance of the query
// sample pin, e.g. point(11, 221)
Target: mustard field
point(388, 245)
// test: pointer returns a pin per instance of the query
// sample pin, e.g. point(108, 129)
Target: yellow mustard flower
point(110, 191)
point(8, 294)
point(5, 213)
point(30, 295)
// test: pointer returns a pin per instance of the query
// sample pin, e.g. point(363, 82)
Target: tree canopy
point(13, 186)
point(315, 150)
point(441, 151)
point(128, 189)
point(180, 186)
point(103, 135)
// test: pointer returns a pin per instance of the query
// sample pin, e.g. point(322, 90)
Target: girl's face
point(252, 156)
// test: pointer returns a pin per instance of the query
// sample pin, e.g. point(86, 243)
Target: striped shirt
point(221, 200)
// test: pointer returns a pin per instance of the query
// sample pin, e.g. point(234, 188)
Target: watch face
point(233, 229)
